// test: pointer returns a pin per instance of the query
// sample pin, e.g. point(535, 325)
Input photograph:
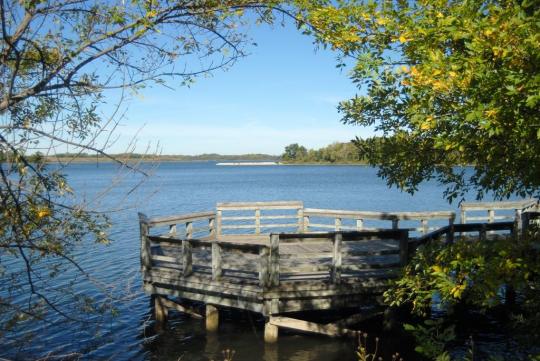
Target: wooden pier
point(279, 258)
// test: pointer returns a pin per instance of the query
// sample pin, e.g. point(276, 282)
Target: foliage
point(468, 271)
point(445, 82)
point(294, 152)
point(333, 153)
point(60, 61)
point(432, 338)
point(364, 354)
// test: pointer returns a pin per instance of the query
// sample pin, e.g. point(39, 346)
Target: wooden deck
point(225, 258)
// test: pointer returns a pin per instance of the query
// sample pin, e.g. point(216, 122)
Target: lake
point(176, 188)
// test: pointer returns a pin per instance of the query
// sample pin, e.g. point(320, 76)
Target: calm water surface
point(177, 188)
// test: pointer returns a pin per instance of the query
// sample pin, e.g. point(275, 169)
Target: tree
point(446, 83)
point(294, 152)
point(59, 62)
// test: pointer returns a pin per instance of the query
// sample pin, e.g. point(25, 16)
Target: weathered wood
point(425, 228)
point(300, 220)
point(337, 224)
point(264, 261)
point(332, 213)
point(522, 204)
point(219, 214)
point(180, 308)
point(336, 259)
point(404, 249)
point(212, 318)
point(261, 205)
point(358, 317)
point(165, 221)
point(189, 230)
point(187, 258)
point(212, 227)
point(270, 333)
point(160, 313)
point(257, 221)
point(331, 330)
point(359, 224)
point(273, 277)
point(216, 261)
point(146, 262)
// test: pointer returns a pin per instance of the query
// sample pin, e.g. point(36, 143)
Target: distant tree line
point(336, 152)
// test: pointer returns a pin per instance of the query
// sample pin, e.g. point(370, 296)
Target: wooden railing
point(163, 253)
point(449, 232)
point(337, 217)
point(258, 219)
point(514, 211)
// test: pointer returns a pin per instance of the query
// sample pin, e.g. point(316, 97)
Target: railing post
point(482, 233)
point(463, 215)
point(301, 220)
point(274, 260)
point(359, 224)
point(425, 228)
point(335, 274)
point(450, 234)
point(257, 221)
point(172, 230)
point(403, 247)
point(189, 230)
point(212, 227)
point(491, 215)
point(146, 252)
point(187, 258)
point(219, 214)
point(337, 224)
point(264, 255)
point(217, 270)
point(518, 224)
point(306, 223)
point(395, 223)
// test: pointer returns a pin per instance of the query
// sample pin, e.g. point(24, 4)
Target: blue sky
point(284, 92)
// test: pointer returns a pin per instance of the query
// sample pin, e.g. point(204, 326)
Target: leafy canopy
point(59, 62)
point(447, 83)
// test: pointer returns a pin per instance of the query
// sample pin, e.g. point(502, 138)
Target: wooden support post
point(257, 221)
point(218, 223)
point(212, 228)
point(271, 332)
point(273, 278)
point(359, 224)
point(212, 318)
point(189, 230)
point(160, 313)
point(463, 216)
point(264, 260)
point(301, 223)
point(403, 248)
point(395, 223)
point(335, 273)
point(216, 261)
point(187, 258)
point(491, 216)
point(337, 224)
point(146, 262)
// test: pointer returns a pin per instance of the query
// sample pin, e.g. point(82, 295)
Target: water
point(176, 188)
